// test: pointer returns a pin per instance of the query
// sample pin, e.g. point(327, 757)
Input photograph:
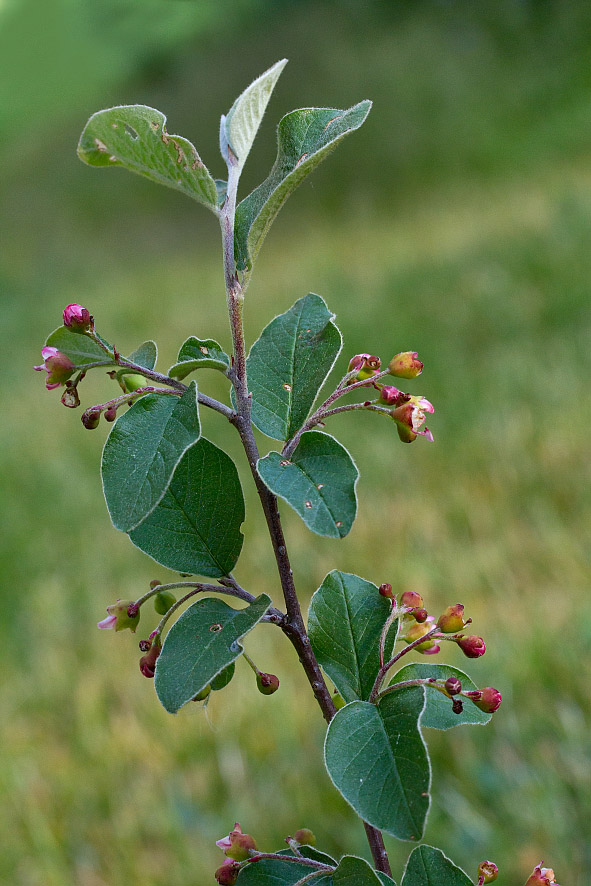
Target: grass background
point(457, 222)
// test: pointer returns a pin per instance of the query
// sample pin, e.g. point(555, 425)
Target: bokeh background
point(456, 222)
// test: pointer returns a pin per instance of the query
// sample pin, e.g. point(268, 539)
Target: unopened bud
point(77, 318)
point(405, 365)
point(227, 873)
point(420, 615)
point(488, 699)
point(305, 837)
point(452, 686)
point(488, 871)
point(155, 583)
point(391, 396)
point(91, 418)
point(457, 706)
point(111, 413)
point(472, 647)
point(163, 601)
point(267, 684)
point(451, 619)
point(386, 590)
point(148, 661)
point(411, 600)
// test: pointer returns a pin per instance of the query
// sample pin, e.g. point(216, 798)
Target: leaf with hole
point(196, 526)
point(240, 125)
point(135, 137)
point(288, 365)
point(438, 712)
point(142, 451)
point(345, 622)
point(428, 866)
point(200, 646)
point(199, 353)
point(376, 757)
point(318, 481)
point(305, 137)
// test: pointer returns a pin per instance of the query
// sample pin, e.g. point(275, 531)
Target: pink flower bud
point(487, 872)
point(391, 396)
point(488, 699)
point(111, 413)
point(451, 619)
point(405, 365)
point(58, 366)
point(472, 647)
point(121, 615)
point(267, 684)
point(420, 615)
point(148, 661)
point(541, 877)
point(411, 600)
point(366, 365)
point(77, 318)
point(227, 873)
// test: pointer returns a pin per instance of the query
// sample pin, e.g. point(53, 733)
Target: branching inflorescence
point(178, 497)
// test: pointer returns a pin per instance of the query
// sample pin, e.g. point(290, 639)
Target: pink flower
point(488, 699)
point(472, 647)
point(77, 318)
point(226, 842)
point(409, 418)
point(237, 845)
point(121, 615)
point(58, 366)
point(540, 875)
point(107, 623)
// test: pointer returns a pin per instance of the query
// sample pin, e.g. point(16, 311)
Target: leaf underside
point(199, 353)
point(241, 124)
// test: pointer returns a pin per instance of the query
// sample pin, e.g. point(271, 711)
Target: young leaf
point(223, 678)
point(385, 880)
point(79, 348)
point(376, 758)
point(305, 137)
point(288, 365)
point(428, 866)
point(146, 355)
point(353, 871)
point(142, 451)
point(135, 137)
point(196, 526)
point(345, 622)
point(240, 126)
point(200, 645)
point(438, 713)
point(199, 353)
point(318, 481)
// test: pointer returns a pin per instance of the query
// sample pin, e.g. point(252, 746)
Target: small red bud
point(391, 396)
point(111, 413)
point(542, 877)
point(148, 661)
point(366, 365)
point(77, 318)
point(488, 699)
point(227, 873)
point(472, 647)
point(457, 706)
point(386, 590)
point(453, 686)
point(420, 615)
point(267, 684)
point(154, 584)
point(91, 418)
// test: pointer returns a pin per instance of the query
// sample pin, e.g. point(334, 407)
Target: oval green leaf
point(428, 866)
point(135, 137)
point(304, 138)
point(345, 622)
point(273, 872)
point(142, 451)
point(146, 355)
point(200, 645)
point(376, 757)
point(354, 871)
point(199, 353)
point(223, 678)
point(288, 365)
point(79, 348)
point(196, 526)
point(385, 880)
point(438, 713)
point(318, 481)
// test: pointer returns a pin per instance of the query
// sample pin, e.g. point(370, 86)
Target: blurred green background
point(456, 222)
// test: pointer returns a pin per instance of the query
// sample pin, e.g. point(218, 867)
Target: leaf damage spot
point(215, 628)
point(287, 387)
point(115, 125)
point(284, 463)
point(308, 504)
point(320, 486)
point(204, 350)
point(338, 524)
point(131, 131)
point(338, 117)
point(101, 146)
point(303, 157)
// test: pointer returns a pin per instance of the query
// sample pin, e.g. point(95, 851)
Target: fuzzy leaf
point(353, 871)
point(345, 622)
point(142, 451)
point(146, 355)
point(223, 678)
point(376, 758)
point(305, 137)
point(135, 137)
point(240, 126)
point(318, 481)
point(438, 713)
point(196, 526)
point(288, 365)
point(385, 880)
point(428, 866)
point(79, 348)
point(272, 872)
point(199, 353)
point(200, 645)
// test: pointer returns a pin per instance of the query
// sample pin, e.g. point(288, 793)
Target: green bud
point(133, 381)
point(163, 601)
point(267, 684)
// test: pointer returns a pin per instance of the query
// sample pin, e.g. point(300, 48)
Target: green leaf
point(272, 872)
point(240, 126)
point(196, 526)
point(142, 451)
point(438, 713)
point(146, 355)
point(428, 866)
point(318, 481)
point(385, 880)
point(199, 353)
point(288, 365)
point(345, 622)
point(376, 758)
point(353, 871)
point(200, 645)
point(135, 137)
point(304, 137)
point(79, 348)
point(223, 678)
